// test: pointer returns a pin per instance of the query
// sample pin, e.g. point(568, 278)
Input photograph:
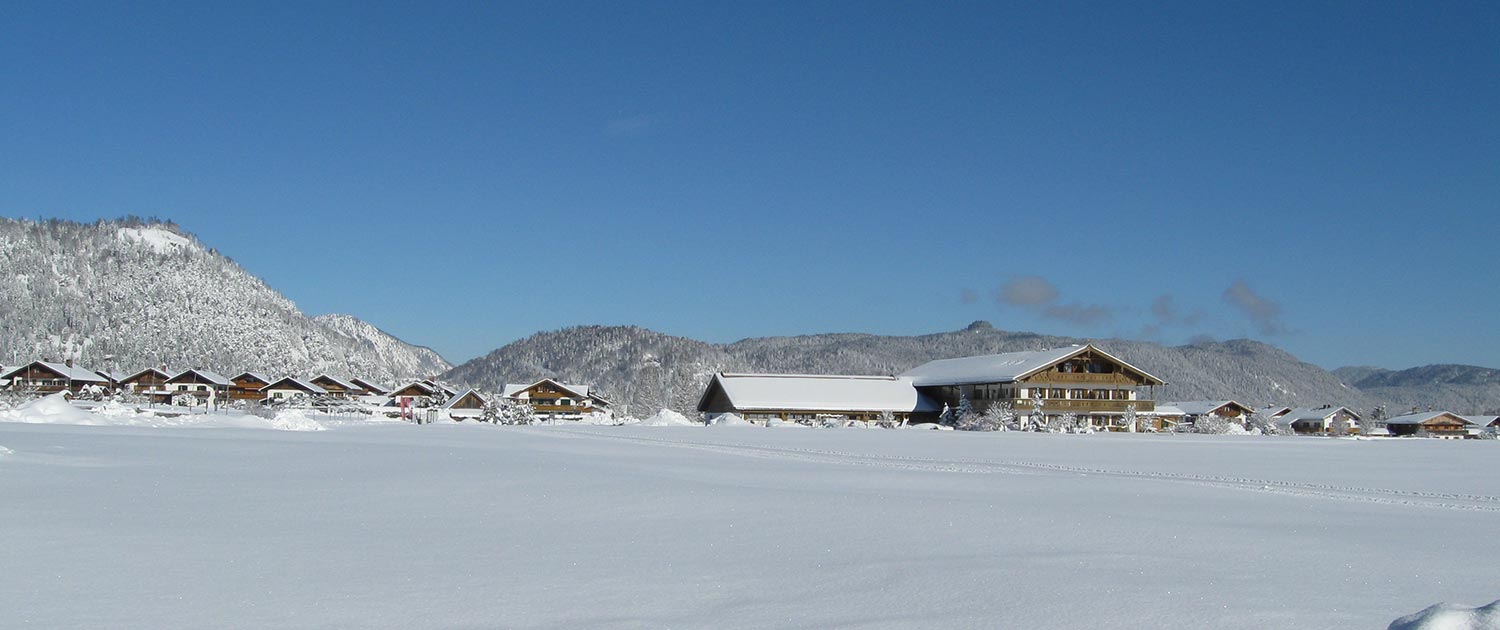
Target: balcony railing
point(1079, 377)
point(1060, 405)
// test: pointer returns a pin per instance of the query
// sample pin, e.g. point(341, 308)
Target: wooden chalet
point(290, 387)
point(1227, 409)
point(1318, 420)
point(419, 394)
point(147, 381)
point(1438, 424)
point(805, 398)
point(336, 387)
point(369, 387)
point(467, 404)
point(248, 386)
point(200, 383)
point(554, 400)
point(46, 377)
point(1099, 388)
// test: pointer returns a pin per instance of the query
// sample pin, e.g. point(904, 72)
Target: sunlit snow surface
point(393, 525)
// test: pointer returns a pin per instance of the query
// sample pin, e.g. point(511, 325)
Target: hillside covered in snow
point(646, 370)
point(128, 294)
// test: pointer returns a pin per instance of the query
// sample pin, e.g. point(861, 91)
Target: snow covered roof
point(340, 383)
point(369, 384)
point(1419, 418)
point(1004, 368)
point(254, 375)
point(1168, 410)
point(453, 400)
point(1313, 414)
point(150, 370)
point(204, 374)
point(291, 382)
point(1271, 411)
point(1482, 421)
point(110, 375)
point(424, 388)
point(1202, 407)
point(580, 391)
point(813, 392)
point(73, 373)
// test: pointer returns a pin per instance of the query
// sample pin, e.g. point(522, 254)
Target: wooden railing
point(1059, 405)
point(1078, 377)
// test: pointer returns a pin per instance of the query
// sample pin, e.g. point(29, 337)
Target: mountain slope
point(128, 294)
point(1465, 388)
point(644, 370)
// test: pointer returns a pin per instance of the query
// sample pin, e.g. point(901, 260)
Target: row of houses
point(1327, 419)
point(549, 399)
point(1099, 390)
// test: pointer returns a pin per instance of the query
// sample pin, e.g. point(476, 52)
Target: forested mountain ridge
point(127, 294)
point(644, 370)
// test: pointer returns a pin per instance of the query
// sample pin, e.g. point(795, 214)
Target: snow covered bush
point(887, 420)
point(1213, 425)
point(511, 412)
point(999, 416)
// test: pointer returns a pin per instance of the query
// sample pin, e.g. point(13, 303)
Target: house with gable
point(47, 377)
point(1098, 388)
point(551, 399)
point(805, 398)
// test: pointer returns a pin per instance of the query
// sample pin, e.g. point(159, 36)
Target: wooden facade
point(551, 400)
point(147, 380)
point(49, 378)
point(1096, 387)
point(1439, 424)
point(247, 386)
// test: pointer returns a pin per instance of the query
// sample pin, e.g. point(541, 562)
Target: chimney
point(68, 363)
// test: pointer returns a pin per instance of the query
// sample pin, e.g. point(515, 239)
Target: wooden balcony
point(1058, 405)
point(1079, 377)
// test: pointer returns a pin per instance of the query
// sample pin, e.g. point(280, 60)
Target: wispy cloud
point(1038, 294)
point(1264, 312)
point(968, 296)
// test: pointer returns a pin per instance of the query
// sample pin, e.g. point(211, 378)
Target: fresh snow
point(1450, 617)
point(669, 418)
point(394, 525)
point(159, 240)
point(55, 409)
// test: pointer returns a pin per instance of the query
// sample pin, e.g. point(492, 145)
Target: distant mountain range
point(646, 370)
point(129, 294)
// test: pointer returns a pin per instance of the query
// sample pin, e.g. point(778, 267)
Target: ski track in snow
point(1385, 496)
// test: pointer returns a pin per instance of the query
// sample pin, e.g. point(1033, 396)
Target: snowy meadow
point(394, 525)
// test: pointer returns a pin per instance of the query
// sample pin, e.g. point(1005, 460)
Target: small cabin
point(46, 377)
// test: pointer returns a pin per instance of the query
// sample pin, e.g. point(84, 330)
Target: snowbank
point(669, 418)
point(1450, 617)
point(730, 420)
point(55, 409)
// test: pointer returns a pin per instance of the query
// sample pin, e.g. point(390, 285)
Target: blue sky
point(1324, 178)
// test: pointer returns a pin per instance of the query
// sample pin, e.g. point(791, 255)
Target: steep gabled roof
point(813, 392)
point(253, 375)
point(1313, 414)
point(290, 382)
point(1006, 367)
point(74, 373)
point(335, 381)
point(1483, 421)
point(369, 385)
point(206, 375)
point(140, 373)
point(1204, 407)
point(457, 398)
point(578, 391)
point(1422, 418)
point(425, 388)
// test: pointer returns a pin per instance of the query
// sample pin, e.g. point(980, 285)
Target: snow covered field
point(475, 526)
